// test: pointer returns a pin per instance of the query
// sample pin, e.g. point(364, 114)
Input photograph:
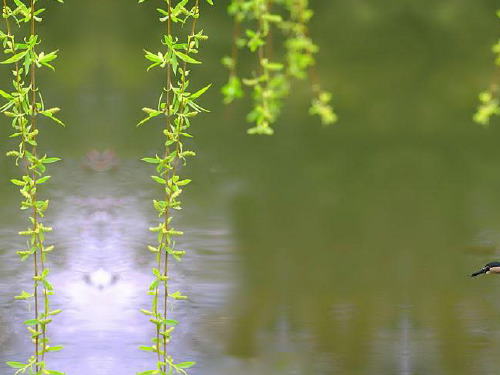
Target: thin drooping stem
point(38, 241)
point(313, 71)
point(22, 106)
point(165, 223)
point(261, 32)
point(179, 106)
point(234, 51)
point(26, 163)
point(38, 249)
point(269, 37)
point(168, 192)
point(183, 89)
point(16, 64)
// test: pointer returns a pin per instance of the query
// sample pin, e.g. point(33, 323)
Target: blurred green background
point(347, 249)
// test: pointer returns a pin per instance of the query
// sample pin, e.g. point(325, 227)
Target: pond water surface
point(344, 250)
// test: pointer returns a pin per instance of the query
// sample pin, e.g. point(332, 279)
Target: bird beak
point(482, 270)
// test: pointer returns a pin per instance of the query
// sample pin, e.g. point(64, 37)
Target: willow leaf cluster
point(23, 105)
point(255, 24)
point(177, 106)
point(489, 100)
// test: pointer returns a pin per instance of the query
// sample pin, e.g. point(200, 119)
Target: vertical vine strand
point(300, 57)
point(33, 190)
point(271, 86)
point(178, 106)
point(166, 216)
point(232, 89)
point(23, 108)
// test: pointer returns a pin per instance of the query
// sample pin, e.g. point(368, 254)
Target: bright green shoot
point(177, 106)
point(23, 105)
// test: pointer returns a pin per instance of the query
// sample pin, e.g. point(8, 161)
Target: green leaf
point(44, 59)
point(153, 57)
point(55, 348)
point(42, 180)
point(183, 182)
point(15, 58)
point(170, 322)
point(17, 364)
point(186, 58)
point(151, 160)
point(151, 113)
point(177, 295)
point(5, 95)
point(24, 295)
point(159, 179)
point(17, 182)
point(199, 93)
point(154, 284)
point(47, 57)
point(47, 285)
point(50, 114)
point(31, 322)
point(185, 364)
point(174, 63)
point(147, 348)
point(144, 120)
point(274, 66)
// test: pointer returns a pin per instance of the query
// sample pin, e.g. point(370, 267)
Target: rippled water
point(101, 272)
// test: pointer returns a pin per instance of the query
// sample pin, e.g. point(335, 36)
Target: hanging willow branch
point(271, 80)
point(489, 100)
point(176, 106)
point(24, 104)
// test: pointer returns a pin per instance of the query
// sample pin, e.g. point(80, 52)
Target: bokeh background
point(343, 250)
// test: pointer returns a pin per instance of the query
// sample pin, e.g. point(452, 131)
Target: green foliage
point(270, 82)
point(489, 99)
point(177, 106)
point(488, 106)
point(23, 106)
point(321, 107)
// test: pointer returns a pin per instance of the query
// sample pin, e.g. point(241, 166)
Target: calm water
point(344, 250)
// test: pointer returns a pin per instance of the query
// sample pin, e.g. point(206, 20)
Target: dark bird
point(492, 267)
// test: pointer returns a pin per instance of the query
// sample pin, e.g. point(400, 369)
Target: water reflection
point(277, 279)
point(101, 272)
point(337, 269)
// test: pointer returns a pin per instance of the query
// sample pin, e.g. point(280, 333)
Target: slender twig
point(38, 248)
point(183, 86)
point(167, 151)
point(234, 50)
point(261, 31)
point(174, 169)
